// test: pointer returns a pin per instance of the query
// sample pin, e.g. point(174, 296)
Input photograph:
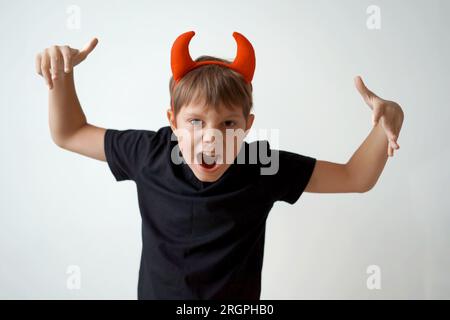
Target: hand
point(51, 61)
point(389, 112)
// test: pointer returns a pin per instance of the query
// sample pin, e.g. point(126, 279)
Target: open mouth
point(207, 162)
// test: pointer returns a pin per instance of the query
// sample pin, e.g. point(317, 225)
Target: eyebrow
point(199, 115)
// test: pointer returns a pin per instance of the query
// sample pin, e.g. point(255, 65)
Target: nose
point(209, 138)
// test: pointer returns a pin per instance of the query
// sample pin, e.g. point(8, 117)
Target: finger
point(396, 137)
point(389, 133)
point(55, 62)
point(67, 57)
point(38, 63)
point(376, 115)
point(393, 145)
point(45, 67)
point(88, 48)
point(392, 136)
point(364, 91)
point(390, 151)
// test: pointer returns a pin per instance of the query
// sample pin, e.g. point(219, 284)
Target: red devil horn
point(245, 61)
point(181, 61)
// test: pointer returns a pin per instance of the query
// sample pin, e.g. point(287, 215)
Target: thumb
point(364, 91)
point(88, 48)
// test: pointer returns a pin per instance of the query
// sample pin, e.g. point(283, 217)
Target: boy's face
point(209, 139)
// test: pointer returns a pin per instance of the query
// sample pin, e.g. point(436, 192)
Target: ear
point(250, 119)
point(171, 118)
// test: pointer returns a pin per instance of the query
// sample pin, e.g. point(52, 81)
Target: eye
point(196, 122)
point(229, 123)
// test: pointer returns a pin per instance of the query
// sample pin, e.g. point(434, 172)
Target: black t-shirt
point(202, 240)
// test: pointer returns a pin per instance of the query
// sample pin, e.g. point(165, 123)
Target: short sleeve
point(290, 175)
point(126, 151)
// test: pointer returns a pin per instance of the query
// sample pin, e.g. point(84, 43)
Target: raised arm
point(362, 171)
point(69, 128)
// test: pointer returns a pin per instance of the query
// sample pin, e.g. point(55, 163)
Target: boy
point(203, 204)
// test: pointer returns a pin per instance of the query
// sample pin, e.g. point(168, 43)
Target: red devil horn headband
point(182, 63)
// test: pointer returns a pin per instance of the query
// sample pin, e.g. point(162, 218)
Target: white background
point(58, 208)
